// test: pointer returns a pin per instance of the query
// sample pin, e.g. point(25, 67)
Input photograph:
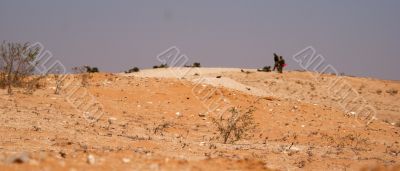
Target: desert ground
point(162, 119)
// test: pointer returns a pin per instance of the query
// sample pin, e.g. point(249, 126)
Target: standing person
point(276, 59)
point(281, 64)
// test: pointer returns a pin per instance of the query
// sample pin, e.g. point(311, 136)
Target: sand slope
point(161, 120)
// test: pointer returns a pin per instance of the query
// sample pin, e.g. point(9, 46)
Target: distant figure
point(276, 60)
point(281, 64)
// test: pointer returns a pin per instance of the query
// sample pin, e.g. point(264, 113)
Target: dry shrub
point(59, 80)
point(34, 83)
point(17, 63)
point(392, 91)
point(354, 141)
point(161, 127)
point(90, 69)
point(84, 75)
point(134, 69)
point(235, 126)
point(196, 65)
point(160, 66)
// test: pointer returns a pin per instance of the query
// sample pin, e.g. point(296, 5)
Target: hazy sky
point(358, 37)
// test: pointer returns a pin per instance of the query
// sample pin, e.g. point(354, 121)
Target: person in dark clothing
point(276, 60)
point(281, 64)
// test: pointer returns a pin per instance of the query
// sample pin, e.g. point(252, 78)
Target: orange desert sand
point(161, 119)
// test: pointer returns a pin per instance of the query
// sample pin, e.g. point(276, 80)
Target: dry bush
point(392, 91)
point(393, 149)
point(134, 69)
point(59, 81)
point(17, 63)
point(160, 66)
point(161, 127)
point(235, 126)
point(34, 83)
point(379, 91)
point(59, 77)
point(90, 69)
point(83, 74)
point(196, 65)
point(354, 141)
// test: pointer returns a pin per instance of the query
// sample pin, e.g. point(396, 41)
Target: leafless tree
point(17, 62)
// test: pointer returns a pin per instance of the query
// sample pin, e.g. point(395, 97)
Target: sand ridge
point(300, 127)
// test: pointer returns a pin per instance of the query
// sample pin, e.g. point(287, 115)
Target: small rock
point(178, 114)
point(112, 120)
point(62, 154)
point(36, 128)
point(126, 160)
point(20, 158)
point(202, 115)
point(202, 143)
point(90, 159)
point(218, 76)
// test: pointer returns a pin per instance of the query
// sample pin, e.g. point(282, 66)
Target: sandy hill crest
point(161, 119)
